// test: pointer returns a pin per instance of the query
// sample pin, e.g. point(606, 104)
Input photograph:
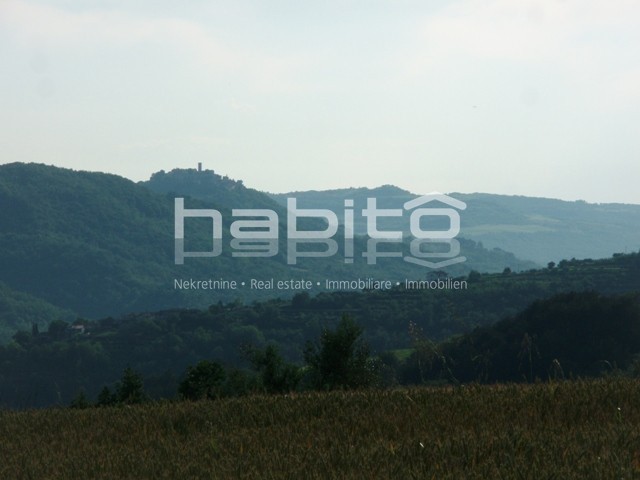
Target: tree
point(239, 383)
point(276, 375)
point(57, 329)
point(474, 276)
point(80, 401)
point(202, 381)
point(341, 359)
point(130, 390)
point(105, 398)
point(22, 338)
point(300, 300)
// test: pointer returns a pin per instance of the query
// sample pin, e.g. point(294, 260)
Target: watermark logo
point(256, 232)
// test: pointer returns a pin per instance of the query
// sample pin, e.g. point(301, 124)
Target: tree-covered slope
point(537, 229)
point(35, 369)
point(569, 335)
point(19, 310)
point(100, 245)
point(212, 188)
point(93, 243)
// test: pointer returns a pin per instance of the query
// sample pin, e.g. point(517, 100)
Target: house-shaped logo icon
point(425, 237)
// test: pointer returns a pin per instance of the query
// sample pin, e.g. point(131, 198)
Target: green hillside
point(211, 187)
point(537, 229)
point(566, 336)
point(214, 189)
point(19, 310)
point(99, 245)
point(92, 243)
point(51, 366)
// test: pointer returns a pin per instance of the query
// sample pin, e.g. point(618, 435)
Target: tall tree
point(341, 359)
point(130, 390)
point(276, 375)
point(202, 381)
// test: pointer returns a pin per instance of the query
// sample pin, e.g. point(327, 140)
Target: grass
point(561, 430)
point(403, 353)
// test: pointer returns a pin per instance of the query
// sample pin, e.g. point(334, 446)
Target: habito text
point(255, 232)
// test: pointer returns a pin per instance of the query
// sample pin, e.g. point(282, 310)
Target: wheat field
point(578, 429)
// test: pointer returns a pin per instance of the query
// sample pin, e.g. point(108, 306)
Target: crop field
point(577, 429)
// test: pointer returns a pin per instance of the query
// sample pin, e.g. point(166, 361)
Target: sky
point(538, 98)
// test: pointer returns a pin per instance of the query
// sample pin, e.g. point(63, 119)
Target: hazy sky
point(518, 97)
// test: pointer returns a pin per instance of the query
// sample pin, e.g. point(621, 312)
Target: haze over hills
point(217, 190)
point(94, 245)
point(537, 229)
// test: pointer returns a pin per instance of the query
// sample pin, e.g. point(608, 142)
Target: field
point(580, 429)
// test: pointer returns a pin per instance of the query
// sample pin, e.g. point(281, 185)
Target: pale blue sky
point(537, 98)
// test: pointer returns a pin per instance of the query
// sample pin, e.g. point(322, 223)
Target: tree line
point(48, 365)
point(572, 335)
point(339, 360)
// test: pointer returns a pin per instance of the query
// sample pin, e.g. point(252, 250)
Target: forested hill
point(90, 242)
point(215, 189)
point(20, 310)
point(570, 335)
point(537, 229)
point(93, 245)
point(98, 245)
point(211, 187)
point(44, 367)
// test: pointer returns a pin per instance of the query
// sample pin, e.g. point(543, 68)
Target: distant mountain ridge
point(536, 229)
point(209, 186)
point(95, 245)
